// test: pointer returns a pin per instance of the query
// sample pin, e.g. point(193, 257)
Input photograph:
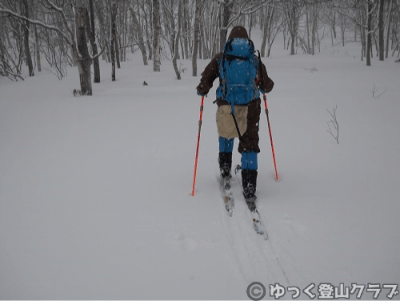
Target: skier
point(242, 77)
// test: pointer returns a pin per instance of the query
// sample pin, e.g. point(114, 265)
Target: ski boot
point(249, 183)
point(225, 164)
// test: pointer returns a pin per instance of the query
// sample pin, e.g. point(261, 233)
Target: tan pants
point(249, 130)
point(225, 123)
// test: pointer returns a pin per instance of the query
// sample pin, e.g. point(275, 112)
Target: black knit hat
point(238, 32)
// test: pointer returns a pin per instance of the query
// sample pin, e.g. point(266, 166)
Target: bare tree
point(227, 6)
point(333, 125)
point(26, 39)
point(139, 32)
point(314, 28)
point(196, 36)
point(331, 16)
point(115, 33)
point(369, 32)
point(156, 36)
point(271, 27)
point(8, 65)
point(210, 29)
point(181, 29)
point(75, 37)
point(361, 12)
point(82, 54)
point(268, 17)
point(176, 42)
point(37, 45)
point(186, 28)
point(389, 22)
point(293, 12)
point(11, 50)
point(104, 29)
point(343, 28)
point(381, 31)
point(90, 25)
point(113, 37)
point(148, 23)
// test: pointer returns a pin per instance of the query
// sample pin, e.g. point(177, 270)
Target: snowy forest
point(82, 32)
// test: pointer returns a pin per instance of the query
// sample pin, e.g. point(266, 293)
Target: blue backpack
point(238, 71)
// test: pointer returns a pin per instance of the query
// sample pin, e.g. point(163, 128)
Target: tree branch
point(36, 22)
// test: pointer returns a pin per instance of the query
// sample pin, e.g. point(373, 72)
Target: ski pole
point(270, 137)
point(198, 143)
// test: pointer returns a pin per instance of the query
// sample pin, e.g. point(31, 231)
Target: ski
point(229, 202)
point(258, 224)
point(227, 195)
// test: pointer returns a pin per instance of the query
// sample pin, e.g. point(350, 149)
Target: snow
point(95, 192)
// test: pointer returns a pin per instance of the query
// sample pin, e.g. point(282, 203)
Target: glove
point(198, 93)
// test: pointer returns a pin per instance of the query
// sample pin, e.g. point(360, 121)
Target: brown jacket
point(211, 72)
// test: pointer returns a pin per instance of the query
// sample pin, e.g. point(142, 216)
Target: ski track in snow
point(256, 258)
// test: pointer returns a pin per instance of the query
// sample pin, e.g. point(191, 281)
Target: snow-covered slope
point(95, 191)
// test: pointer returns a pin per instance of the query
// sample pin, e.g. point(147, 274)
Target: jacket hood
point(238, 32)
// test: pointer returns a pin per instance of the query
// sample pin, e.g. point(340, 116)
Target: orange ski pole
point(198, 143)
point(270, 137)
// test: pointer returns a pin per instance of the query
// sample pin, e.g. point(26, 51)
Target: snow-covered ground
point(95, 191)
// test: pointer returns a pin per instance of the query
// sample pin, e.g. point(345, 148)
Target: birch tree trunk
point(293, 10)
point(267, 28)
point(334, 24)
point(206, 52)
point(226, 12)
point(148, 21)
point(139, 31)
point(156, 36)
point(369, 33)
point(388, 28)
point(37, 41)
point(83, 56)
point(314, 27)
point(92, 38)
point(186, 28)
point(37, 49)
point(26, 40)
point(176, 47)
point(123, 26)
point(381, 31)
point(113, 38)
point(116, 38)
point(104, 31)
point(196, 38)
point(308, 30)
